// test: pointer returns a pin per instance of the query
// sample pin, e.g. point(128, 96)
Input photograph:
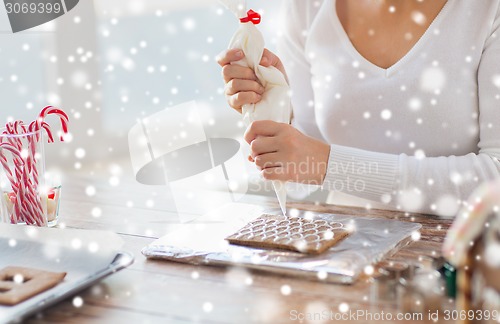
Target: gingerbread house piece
point(472, 245)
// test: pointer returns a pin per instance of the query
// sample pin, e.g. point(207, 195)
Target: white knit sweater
point(418, 136)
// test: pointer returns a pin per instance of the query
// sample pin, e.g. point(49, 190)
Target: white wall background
point(109, 62)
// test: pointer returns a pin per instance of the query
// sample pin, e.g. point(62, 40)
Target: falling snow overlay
point(415, 133)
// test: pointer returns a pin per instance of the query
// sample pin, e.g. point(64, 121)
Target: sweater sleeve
point(297, 17)
point(433, 185)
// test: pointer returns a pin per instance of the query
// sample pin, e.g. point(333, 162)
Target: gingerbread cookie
point(18, 284)
point(290, 233)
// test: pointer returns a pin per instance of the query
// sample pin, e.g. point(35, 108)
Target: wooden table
point(167, 292)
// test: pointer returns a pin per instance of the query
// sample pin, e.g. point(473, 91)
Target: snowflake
point(18, 278)
point(51, 250)
point(492, 255)
point(496, 80)
point(207, 307)
point(248, 281)
point(128, 64)
point(432, 79)
point(79, 78)
point(386, 198)
point(189, 24)
point(369, 270)
point(386, 114)
point(447, 205)
point(96, 212)
point(344, 307)
point(114, 181)
point(415, 104)
point(90, 191)
point(93, 247)
point(76, 243)
point(418, 17)
point(286, 290)
point(419, 154)
point(322, 275)
point(78, 301)
point(411, 199)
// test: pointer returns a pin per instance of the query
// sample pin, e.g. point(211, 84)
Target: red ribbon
point(252, 16)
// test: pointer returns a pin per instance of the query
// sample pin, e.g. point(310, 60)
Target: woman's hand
point(242, 86)
point(281, 152)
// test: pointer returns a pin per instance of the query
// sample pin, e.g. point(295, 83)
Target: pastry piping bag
point(275, 103)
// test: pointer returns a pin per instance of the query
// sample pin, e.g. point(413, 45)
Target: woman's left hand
point(283, 153)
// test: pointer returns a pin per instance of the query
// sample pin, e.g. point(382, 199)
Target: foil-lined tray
point(86, 256)
point(203, 242)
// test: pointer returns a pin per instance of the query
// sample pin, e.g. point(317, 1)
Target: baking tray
point(64, 290)
point(86, 256)
point(203, 242)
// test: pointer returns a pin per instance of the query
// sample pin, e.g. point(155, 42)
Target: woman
point(395, 103)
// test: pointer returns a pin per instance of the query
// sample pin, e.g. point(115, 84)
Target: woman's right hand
point(241, 84)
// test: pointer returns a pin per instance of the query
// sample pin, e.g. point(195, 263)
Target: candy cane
point(16, 142)
point(3, 159)
point(19, 190)
point(16, 188)
point(6, 167)
point(35, 125)
point(40, 123)
point(33, 139)
point(24, 177)
point(23, 190)
point(31, 205)
point(63, 117)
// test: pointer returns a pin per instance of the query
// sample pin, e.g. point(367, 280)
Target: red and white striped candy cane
point(30, 204)
point(14, 216)
point(27, 208)
point(18, 215)
point(24, 177)
point(33, 140)
point(36, 125)
point(21, 206)
point(51, 110)
point(11, 129)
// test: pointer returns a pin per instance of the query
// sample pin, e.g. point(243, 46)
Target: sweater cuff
point(361, 173)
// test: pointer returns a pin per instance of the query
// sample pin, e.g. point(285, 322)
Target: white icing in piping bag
point(275, 103)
